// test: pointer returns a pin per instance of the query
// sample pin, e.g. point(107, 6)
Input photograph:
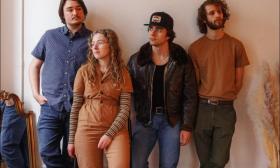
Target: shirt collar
point(81, 32)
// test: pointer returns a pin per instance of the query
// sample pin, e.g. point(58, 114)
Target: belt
point(215, 102)
point(159, 110)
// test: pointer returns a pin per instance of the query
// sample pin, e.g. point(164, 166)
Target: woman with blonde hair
point(101, 104)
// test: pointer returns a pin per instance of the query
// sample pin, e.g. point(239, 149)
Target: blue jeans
point(144, 140)
point(52, 127)
point(13, 142)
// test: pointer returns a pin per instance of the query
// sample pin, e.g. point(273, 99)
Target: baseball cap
point(161, 19)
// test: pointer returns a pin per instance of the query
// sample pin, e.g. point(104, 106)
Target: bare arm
point(34, 78)
point(239, 73)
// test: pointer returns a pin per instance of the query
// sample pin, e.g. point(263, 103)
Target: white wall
point(11, 46)
point(40, 15)
point(255, 23)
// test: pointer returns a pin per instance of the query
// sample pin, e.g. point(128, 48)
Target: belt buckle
point(213, 102)
point(159, 109)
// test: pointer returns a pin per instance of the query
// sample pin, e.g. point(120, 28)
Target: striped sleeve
point(77, 104)
point(123, 115)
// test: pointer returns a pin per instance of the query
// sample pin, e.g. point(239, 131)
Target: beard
point(215, 26)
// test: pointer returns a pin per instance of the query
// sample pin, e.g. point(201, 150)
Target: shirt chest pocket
point(112, 89)
point(81, 55)
point(91, 89)
point(78, 57)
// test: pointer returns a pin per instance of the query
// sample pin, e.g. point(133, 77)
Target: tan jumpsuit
point(100, 107)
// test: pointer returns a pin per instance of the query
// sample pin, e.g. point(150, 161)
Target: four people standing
point(219, 60)
point(61, 51)
point(164, 96)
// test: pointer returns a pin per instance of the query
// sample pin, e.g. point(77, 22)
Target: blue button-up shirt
point(62, 56)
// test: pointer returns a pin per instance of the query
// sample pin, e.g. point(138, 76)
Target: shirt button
point(64, 84)
point(65, 73)
point(64, 95)
point(67, 62)
point(69, 51)
point(101, 101)
point(101, 92)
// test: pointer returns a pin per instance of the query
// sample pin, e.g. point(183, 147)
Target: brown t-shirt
point(215, 62)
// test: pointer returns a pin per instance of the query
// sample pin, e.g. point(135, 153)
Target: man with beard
point(219, 60)
point(165, 96)
point(62, 51)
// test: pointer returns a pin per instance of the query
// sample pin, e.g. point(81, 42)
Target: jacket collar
point(176, 52)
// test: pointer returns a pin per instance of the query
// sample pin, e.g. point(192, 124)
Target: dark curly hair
point(171, 34)
point(61, 5)
point(201, 17)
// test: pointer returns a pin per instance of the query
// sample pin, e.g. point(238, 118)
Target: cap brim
point(151, 24)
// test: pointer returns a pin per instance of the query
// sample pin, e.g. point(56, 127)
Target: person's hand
point(9, 102)
point(104, 142)
point(71, 150)
point(40, 99)
point(185, 137)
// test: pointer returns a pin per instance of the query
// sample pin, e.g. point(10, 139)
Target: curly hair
point(171, 34)
point(116, 62)
point(201, 17)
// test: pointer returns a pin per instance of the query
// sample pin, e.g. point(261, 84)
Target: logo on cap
point(161, 19)
point(156, 19)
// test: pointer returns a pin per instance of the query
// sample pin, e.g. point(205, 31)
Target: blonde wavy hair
point(116, 62)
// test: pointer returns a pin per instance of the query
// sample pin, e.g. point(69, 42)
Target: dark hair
point(201, 17)
point(61, 5)
point(171, 34)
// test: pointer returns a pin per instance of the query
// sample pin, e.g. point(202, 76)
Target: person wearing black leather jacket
point(165, 95)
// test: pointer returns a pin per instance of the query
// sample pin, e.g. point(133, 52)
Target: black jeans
point(213, 134)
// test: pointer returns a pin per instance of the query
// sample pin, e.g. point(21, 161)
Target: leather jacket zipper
point(164, 88)
point(151, 105)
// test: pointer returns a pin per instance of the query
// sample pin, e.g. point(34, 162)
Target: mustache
point(218, 20)
point(75, 17)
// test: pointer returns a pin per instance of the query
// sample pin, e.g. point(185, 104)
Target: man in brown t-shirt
point(219, 61)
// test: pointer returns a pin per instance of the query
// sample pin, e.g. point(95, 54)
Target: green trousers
point(213, 133)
